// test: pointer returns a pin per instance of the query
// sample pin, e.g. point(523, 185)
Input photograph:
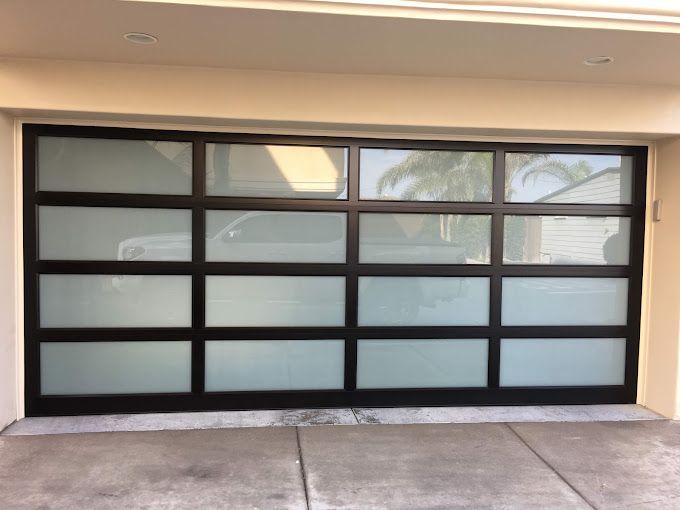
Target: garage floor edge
point(311, 417)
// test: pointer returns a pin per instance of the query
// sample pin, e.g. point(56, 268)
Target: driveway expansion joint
point(303, 474)
point(544, 461)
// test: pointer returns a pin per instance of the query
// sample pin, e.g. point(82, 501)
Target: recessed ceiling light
point(598, 61)
point(140, 38)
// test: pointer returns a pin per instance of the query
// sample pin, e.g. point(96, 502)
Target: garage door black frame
point(197, 399)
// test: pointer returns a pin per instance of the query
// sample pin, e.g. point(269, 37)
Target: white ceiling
point(257, 38)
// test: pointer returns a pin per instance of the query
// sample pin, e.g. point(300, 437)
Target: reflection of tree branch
point(567, 174)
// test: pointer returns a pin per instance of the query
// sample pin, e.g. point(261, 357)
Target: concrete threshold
point(311, 417)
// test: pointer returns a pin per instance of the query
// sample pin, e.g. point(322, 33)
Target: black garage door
point(171, 270)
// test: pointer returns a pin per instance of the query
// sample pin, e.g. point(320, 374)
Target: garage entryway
point(171, 270)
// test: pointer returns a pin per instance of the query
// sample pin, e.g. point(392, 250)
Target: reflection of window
point(277, 228)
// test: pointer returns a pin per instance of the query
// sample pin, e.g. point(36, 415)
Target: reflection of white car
point(255, 236)
point(277, 236)
point(399, 300)
point(265, 236)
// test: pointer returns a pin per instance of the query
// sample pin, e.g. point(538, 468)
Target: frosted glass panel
point(241, 365)
point(114, 166)
point(562, 361)
point(239, 170)
point(275, 301)
point(425, 175)
point(109, 301)
point(112, 233)
point(564, 301)
point(91, 368)
point(568, 178)
point(424, 238)
point(567, 240)
point(276, 236)
point(423, 301)
point(422, 363)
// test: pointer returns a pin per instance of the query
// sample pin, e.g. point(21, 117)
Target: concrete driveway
point(425, 466)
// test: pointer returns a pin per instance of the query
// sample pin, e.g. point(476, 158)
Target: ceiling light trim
point(140, 38)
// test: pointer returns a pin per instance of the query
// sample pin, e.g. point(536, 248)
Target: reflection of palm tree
point(532, 166)
point(456, 176)
point(441, 176)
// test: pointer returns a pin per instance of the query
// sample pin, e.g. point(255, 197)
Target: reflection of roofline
point(579, 183)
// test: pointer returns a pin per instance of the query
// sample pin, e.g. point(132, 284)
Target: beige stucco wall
point(662, 388)
point(199, 98)
point(238, 97)
point(8, 376)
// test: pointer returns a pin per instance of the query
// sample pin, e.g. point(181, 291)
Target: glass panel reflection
point(239, 170)
point(423, 301)
point(562, 361)
point(109, 301)
point(424, 238)
point(422, 363)
point(275, 301)
point(114, 233)
point(95, 368)
point(262, 365)
point(275, 236)
point(564, 301)
point(566, 240)
point(568, 178)
point(425, 175)
point(114, 166)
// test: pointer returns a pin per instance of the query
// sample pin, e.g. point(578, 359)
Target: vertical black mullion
point(31, 301)
point(636, 251)
point(352, 278)
point(198, 273)
point(495, 290)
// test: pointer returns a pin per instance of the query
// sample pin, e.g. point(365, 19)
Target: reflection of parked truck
point(396, 301)
point(265, 236)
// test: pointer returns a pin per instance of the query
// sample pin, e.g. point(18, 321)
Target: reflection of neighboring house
point(577, 239)
point(604, 187)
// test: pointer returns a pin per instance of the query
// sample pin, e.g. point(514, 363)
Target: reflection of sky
point(545, 184)
point(374, 162)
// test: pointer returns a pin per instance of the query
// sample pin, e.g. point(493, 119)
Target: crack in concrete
point(559, 475)
point(356, 418)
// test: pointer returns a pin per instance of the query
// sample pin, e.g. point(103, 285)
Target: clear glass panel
point(239, 170)
point(566, 240)
point(112, 233)
point(562, 361)
point(424, 238)
point(261, 365)
point(422, 363)
point(275, 301)
point(110, 301)
point(114, 166)
point(423, 301)
point(276, 236)
point(426, 175)
point(568, 178)
point(564, 301)
point(93, 368)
